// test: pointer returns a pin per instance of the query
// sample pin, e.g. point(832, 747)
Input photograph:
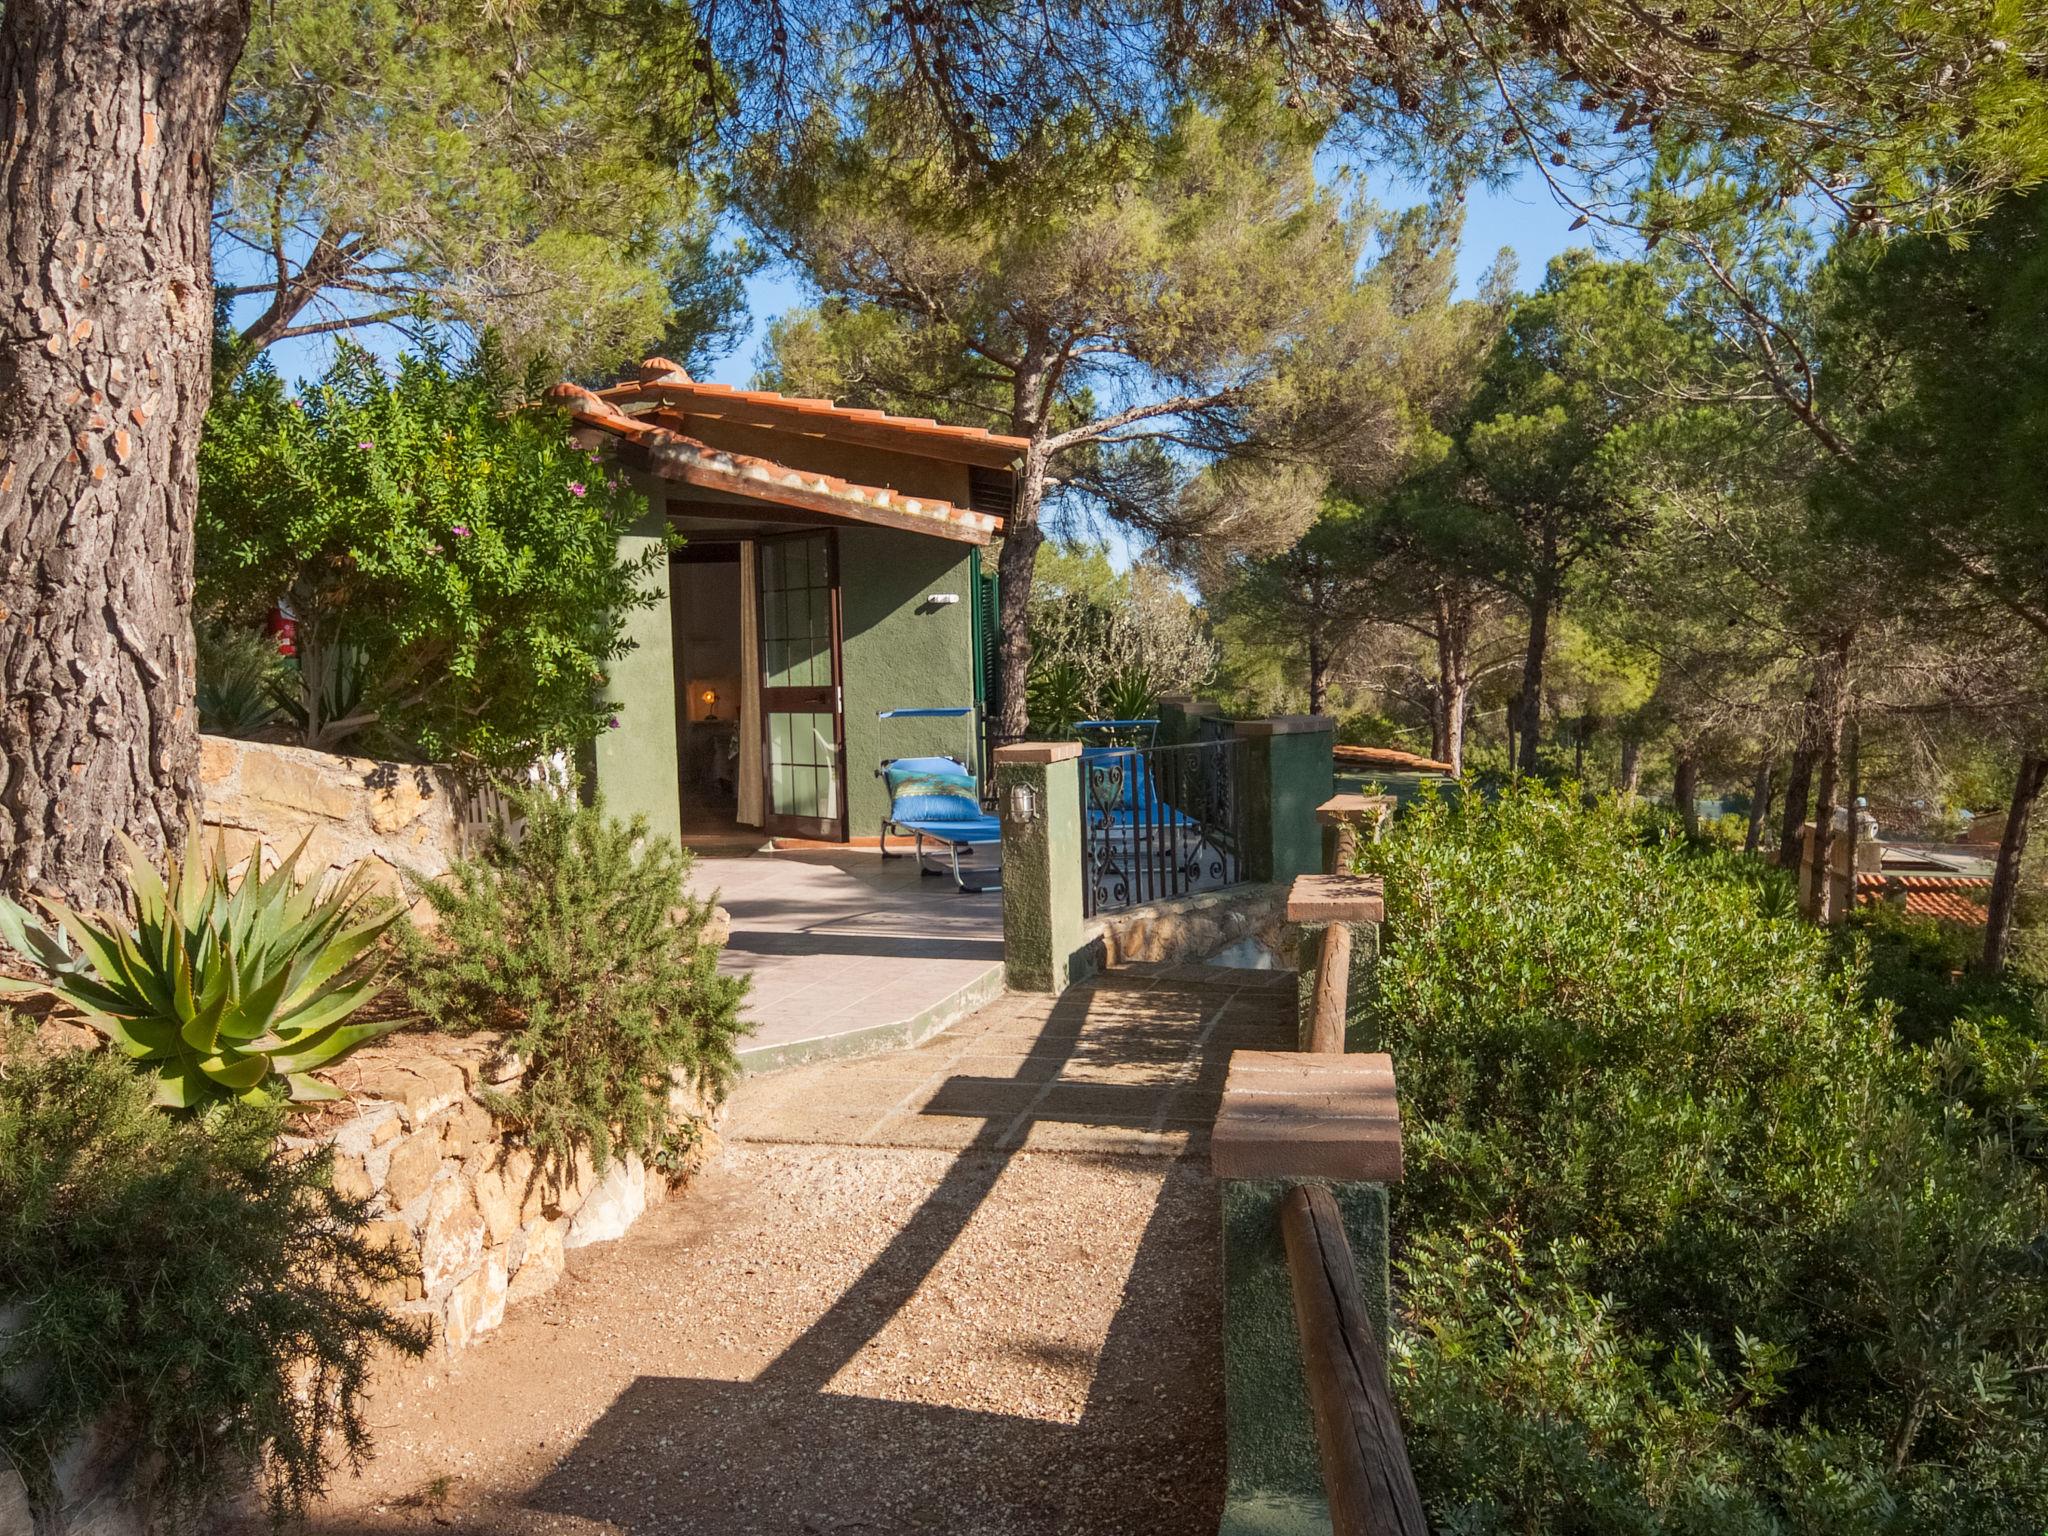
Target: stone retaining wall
point(1197, 927)
point(483, 1223)
point(350, 809)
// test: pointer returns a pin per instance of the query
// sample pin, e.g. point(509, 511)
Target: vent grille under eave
point(993, 491)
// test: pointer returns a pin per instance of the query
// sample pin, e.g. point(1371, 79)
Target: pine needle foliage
point(579, 941)
point(185, 1283)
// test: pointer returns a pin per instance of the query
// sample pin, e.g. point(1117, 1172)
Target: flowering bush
point(451, 557)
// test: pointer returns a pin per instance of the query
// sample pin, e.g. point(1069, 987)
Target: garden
point(1713, 1221)
point(1639, 410)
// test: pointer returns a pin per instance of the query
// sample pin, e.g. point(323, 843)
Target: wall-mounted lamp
point(943, 599)
point(1023, 804)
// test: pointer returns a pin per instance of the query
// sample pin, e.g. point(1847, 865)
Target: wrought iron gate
point(1158, 822)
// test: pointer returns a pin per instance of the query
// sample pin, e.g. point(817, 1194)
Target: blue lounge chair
point(954, 821)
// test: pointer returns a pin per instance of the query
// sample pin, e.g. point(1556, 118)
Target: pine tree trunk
point(1798, 786)
point(1831, 705)
point(1685, 792)
point(2012, 849)
point(1017, 565)
point(1631, 767)
point(1453, 684)
point(1015, 569)
point(112, 109)
point(1759, 809)
point(1532, 678)
point(1317, 666)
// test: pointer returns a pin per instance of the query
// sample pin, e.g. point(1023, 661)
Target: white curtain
point(750, 686)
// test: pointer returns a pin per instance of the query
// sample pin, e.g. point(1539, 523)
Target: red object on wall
point(284, 628)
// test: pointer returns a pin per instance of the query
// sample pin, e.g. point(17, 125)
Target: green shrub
point(220, 987)
point(1691, 1239)
point(453, 560)
point(184, 1280)
point(580, 942)
point(241, 678)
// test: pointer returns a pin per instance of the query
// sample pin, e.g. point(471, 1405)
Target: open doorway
point(705, 597)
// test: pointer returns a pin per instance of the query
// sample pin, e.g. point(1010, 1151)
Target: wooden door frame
point(826, 829)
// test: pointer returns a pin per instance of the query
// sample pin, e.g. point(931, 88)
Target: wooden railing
point(1366, 1474)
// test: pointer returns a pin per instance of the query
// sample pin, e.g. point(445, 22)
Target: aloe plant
point(220, 989)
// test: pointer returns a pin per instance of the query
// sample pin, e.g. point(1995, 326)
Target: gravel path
point(845, 1328)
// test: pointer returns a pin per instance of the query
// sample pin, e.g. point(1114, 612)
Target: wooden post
point(1366, 1476)
point(1339, 917)
point(1342, 817)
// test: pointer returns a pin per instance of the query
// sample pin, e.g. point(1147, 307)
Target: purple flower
point(611, 485)
point(461, 530)
point(613, 723)
point(366, 447)
point(576, 488)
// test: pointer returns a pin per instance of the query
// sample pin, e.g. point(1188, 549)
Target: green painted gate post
point(1038, 797)
point(1289, 771)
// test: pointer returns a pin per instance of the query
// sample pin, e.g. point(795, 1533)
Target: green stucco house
point(831, 570)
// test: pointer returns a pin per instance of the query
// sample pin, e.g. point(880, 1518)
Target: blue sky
point(1521, 216)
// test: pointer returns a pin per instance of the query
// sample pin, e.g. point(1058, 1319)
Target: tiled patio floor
point(849, 952)
point(1131, 1063)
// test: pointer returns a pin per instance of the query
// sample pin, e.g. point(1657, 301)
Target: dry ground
point(971, 1288)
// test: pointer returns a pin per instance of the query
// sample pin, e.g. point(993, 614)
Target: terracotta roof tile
point(1955, 899)
point(677, 456)
point(660, 382)
point(1389, 758)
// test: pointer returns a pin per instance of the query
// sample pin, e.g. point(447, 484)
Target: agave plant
point(219, 989)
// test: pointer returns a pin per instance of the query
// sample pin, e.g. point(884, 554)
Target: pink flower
point(461, 530)
point(611, 485)
point(613, 723)
point(576, 487)
point(366, 447)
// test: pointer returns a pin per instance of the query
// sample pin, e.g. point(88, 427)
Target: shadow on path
point(785, 1453)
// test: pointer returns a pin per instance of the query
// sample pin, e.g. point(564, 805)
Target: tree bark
point(1831, 705)
point(1685, 781)
point(1759, 809)
point(1631, 767)
point(1318, 666)
point(1798, 787)
point(1453, 678)
point(1017, 565)
point(1015, 569)
point(2012, 849)
point(1532, 662)
point(112, 109)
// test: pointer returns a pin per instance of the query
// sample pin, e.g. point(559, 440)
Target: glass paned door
point(800, 708)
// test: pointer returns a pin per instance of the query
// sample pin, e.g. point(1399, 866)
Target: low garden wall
point(1250, 921)
point(483, 1224)
point(350, 809)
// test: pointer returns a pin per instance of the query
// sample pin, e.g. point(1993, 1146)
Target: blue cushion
point(931, 789)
